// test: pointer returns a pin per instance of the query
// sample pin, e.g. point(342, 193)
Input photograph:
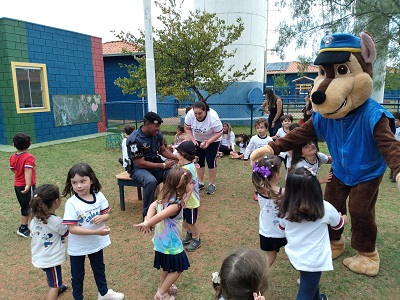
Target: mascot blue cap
point(336, 48)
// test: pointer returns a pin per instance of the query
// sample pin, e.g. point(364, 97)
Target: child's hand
point(143, 227)
point(246, 162)
point(26, 189)
point(105, 230)
point(326, 178)
point(345, 218)
point(258, 296)
point(97, 220)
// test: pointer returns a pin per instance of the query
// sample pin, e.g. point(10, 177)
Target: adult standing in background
point(307, 110)
point(274, 108)
point(204, 128)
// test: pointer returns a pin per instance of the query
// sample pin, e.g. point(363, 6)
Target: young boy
point(286, 121)
point(22, 164)
point(128, 129)
point(396, 116)
point(186, 154)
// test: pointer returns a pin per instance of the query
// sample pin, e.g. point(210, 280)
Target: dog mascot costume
point(359, 133)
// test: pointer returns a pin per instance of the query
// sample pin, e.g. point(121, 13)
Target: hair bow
point(263, 170)
point(216, 278)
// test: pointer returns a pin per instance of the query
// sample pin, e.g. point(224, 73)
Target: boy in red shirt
point(22, 164)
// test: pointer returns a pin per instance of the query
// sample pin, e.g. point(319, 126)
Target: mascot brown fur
point(359, 134)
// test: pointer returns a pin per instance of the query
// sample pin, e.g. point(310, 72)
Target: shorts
point(54, 278)
point(271, 244)
point(24, 199)
point(190, 215)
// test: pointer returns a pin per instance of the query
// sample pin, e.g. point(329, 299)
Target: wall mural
point(76, 109)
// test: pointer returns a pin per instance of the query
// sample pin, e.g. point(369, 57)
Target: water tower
point(250, 46)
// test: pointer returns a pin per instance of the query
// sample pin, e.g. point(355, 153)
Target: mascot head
point(345, 74)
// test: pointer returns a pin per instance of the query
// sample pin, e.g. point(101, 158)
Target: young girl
point(48, 237)
point(265, 178)
point(304, 215)
point(242, 142)
point(228, 140)
point(85, 214)
point(258, 140)
point(308, 155)
point(186, 155)
point(166, 214)
point(243, 275)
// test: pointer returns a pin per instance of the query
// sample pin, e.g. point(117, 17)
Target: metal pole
point(150, 70)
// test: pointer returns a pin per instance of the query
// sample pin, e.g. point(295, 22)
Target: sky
point(79, 16)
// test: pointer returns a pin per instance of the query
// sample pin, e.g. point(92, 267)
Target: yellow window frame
point(44, 87)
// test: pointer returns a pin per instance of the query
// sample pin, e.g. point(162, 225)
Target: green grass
point(227, 219)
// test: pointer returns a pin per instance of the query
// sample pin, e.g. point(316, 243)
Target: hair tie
point(263, 171)
point(34, 196)
point(216, 278)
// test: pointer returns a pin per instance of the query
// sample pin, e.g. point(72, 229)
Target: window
point(30, 87)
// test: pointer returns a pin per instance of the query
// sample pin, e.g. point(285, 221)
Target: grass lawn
point(227, 220)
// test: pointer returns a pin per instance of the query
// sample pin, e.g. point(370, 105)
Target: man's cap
point(152, 117)
point(187, 147)
point(336, 48)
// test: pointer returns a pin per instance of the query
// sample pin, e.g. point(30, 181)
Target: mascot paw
point(366, 263)
point(398, 180)
point(259, 153)
point(337, 247)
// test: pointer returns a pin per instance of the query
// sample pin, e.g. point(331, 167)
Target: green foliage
point(280, 83)
point(189, 55)
point(311, 20)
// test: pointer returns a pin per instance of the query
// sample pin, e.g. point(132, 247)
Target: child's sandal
point(173, 290)
point(159, 296)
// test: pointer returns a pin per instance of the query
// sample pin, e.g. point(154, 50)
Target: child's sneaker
point(201, 186)
point(186, 240)
point(111, 295)
point(211, 189)
point(323, 297)
point(194, 245)
point(26, 233)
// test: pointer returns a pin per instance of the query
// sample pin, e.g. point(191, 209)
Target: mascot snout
point(318, 97)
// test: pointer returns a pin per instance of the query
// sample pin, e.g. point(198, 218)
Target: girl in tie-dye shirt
point(166, 215)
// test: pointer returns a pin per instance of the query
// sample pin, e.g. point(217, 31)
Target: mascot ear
point(259, 153)
point(368, 50)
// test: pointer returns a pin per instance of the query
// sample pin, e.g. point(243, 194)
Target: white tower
point(250, 46)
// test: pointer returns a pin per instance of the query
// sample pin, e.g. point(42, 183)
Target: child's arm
point(28, 180)
point(170, 211)
point(78, 230)
point(326, 178)
point(101, 218)
point(249, 148)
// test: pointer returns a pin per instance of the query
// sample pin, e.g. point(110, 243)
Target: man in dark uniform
point(145, 145)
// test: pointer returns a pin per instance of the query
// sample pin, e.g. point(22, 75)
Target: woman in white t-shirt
point(204, 128)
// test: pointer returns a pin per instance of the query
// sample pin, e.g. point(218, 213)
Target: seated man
point(145, 145)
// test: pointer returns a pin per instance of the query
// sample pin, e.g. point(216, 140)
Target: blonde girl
point(166, 215)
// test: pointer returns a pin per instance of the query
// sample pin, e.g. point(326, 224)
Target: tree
point(311, 20)
point(189, 55)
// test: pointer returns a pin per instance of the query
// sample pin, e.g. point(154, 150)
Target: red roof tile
point(117, 46)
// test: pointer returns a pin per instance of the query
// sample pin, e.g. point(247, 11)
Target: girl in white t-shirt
point(304, 214)
point(308, 155)
point(85, 214)
point(48, 237)
point(265, 178)
point(242, 142)
point(227, 140)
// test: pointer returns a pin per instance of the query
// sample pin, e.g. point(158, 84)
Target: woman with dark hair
point(204, 128)
point(274, 108)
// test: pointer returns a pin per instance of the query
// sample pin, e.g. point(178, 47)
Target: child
point(286, 121)
point(48, 237)
point(396, 116)
point(22, 164)
point(258, 140)
point(309, 156)
point(228, 140)
point(304, 215)
point(186, 155)
point(242, 142)
point(128, 129)
point(179, 131)
point(85, 214)
point(166, 215)
point(265, 178)
point(243, 275)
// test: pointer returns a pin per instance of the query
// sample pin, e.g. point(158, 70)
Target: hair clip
point(309, 169)
point(34, 196)
point(216, 278)
point(264, 171)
